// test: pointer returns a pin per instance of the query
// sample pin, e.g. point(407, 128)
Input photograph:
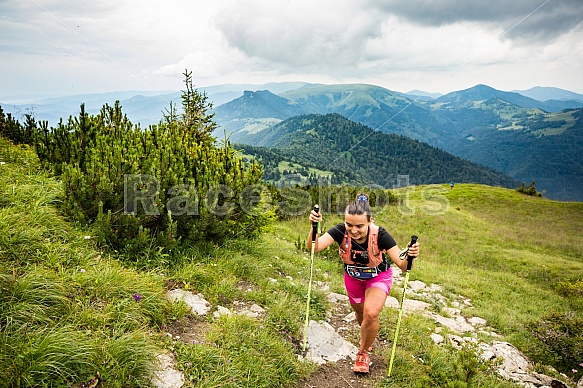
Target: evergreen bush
point(11, 128)
point(561, 336)
point(530, 190)
point(170, 181)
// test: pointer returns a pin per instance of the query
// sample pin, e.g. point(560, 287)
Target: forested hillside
point(356, 154)
point(522, 137)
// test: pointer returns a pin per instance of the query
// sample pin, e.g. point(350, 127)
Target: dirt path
point(513, 364)
point(340, 375)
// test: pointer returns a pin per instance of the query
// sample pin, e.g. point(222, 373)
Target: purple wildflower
point(137, 297)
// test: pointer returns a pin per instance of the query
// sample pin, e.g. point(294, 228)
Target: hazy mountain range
point(527, 139)
point(530, 135)
point(146, 107)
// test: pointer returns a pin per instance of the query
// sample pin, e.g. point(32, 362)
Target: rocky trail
point(331, 344)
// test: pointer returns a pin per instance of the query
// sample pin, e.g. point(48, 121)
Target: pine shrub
point(530, 190)
point(561, 336)
point(13, 130)
point(170, 181)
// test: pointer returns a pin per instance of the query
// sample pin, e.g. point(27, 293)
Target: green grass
point(69, 314)
point(67, 310)
point(508, 252)
point(243, 353)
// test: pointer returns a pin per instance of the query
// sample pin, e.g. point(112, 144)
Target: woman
point(368, 277)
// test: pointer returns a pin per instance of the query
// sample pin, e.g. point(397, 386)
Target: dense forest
point(350, 153)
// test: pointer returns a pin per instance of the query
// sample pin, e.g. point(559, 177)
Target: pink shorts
point(356, 287)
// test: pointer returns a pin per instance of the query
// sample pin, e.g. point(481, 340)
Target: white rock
point(325, 345)
point(452, 324)
point(410, 304)
point(350, 317)
point(513, 360)
point(166, 376)
point(253, 312)
point(416, 285)
point(488, 355)
point(415, 305)
point(392, 302)
point(256, 309)
point(435, 288)
point(322, 285)
point(196, 302)
point(452, 312)
point(334, 297)
point(477, 321)
point(221, 311)
point(437, 338)
point(397, 273)
point(455, 340)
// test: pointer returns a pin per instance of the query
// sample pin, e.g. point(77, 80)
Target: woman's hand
point(413, 250)
point(315, 217)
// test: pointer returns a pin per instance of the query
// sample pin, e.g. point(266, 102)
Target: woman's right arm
point(322, 242)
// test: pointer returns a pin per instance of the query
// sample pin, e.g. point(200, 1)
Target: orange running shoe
point(362, 363)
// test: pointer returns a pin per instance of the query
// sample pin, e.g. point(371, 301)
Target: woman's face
point(356, 226)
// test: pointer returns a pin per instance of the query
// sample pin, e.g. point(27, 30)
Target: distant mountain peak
point(483, 92)
point(422, 94)
point(545, 93)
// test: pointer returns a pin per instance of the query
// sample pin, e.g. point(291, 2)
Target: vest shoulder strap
point(375, 256)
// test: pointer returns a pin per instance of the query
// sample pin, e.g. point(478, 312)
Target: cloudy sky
point(64, 47)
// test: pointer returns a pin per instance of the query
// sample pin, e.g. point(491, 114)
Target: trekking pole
point(409, 264)
point(315, 231)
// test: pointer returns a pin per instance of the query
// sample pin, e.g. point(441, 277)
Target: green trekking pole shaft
point(315, 227)
point(409, 264)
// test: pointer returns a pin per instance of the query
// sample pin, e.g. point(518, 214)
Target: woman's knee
point(370, 313)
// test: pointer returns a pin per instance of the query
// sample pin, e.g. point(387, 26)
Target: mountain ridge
point(484, 92)
point(501, 130)
point(480, 124)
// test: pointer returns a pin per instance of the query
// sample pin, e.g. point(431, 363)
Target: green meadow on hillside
point(73, 313)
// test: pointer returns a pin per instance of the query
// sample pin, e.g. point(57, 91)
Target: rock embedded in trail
point(196, 302)
point(166, 376)
point(324, 344)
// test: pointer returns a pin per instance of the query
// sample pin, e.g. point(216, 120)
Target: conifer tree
point(170, 181)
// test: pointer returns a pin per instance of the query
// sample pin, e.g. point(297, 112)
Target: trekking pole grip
point(315, 224)
point(410, 258)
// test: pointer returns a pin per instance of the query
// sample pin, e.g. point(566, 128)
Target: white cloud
point(299, 35)
point(107, 45)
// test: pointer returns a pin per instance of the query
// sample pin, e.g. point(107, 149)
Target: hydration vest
point(375, 256)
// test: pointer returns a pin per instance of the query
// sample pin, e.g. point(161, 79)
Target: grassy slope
point(69, 314)
point(504, 250)
point(67, 311)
